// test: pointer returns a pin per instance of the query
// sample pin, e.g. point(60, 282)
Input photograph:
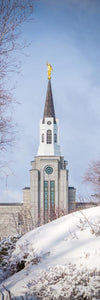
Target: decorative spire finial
point(49, 70)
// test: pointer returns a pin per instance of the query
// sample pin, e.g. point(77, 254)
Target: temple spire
point(49, 125)
point(49, 111)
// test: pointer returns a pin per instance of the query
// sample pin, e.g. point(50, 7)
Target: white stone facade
point(38, 177)
point(44, 147)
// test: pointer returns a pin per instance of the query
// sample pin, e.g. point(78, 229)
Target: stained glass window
point(52, 199)
point(45, 201)
point(49, 170)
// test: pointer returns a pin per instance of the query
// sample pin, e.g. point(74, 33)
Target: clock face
point(49, 122)
point(49, 170)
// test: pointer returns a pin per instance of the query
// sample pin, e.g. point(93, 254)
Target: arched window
point(49, 136)
point(42, 138)
point(55, 138)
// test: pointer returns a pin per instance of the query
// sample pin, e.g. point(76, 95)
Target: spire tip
point(49, 69)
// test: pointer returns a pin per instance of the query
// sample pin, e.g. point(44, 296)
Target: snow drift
point(62, 258)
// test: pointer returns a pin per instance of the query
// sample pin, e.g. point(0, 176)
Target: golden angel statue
point(49, 70)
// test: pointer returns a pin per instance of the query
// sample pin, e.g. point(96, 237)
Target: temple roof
point(49, 111)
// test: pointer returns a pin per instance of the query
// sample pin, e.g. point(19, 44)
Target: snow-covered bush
point(70, 246)
point(9, 264)
point(66, 283)
point(6, 248)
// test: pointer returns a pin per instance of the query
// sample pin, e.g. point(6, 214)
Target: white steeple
point(49, 128)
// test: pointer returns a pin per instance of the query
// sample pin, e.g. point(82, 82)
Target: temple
point(49, 194)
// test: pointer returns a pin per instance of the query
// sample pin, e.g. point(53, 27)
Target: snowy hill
point(61, 258)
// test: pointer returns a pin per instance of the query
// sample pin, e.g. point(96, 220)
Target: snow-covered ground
point(62, 258)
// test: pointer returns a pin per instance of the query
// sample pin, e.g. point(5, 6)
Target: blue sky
point(65, 33)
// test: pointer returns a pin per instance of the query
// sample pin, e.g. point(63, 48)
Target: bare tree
point(13, 13)
point(23, 221)
point(92, 176)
